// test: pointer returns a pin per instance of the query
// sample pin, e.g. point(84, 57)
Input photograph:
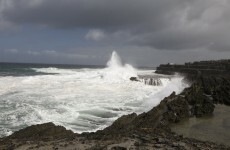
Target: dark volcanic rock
point(134, 79)
point(178, 108)
point(42, 131)
point(201, 103)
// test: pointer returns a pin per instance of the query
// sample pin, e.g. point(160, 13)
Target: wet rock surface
point(149, 130)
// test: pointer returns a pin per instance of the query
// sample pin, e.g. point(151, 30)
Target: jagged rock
point(42, 131)
point(201, 104)
point(177, 109)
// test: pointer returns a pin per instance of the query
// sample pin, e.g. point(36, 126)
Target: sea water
point(215, 128)
point(80, 98)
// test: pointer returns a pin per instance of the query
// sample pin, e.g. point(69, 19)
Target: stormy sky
point(143, 32)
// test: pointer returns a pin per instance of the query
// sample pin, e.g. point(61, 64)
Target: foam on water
point(79, 99)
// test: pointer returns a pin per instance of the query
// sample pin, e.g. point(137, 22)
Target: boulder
point(134, 79)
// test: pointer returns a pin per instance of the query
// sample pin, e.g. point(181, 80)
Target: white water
point(79, 99)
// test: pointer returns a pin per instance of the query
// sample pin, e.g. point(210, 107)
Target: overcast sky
point(143, 32)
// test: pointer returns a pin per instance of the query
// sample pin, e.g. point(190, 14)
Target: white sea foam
point(79, 99)
point(116, 71)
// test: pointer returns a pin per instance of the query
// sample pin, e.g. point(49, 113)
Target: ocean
point(78, 97)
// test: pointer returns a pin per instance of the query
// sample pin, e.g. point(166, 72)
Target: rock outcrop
point(42, 131)
point(148, 80)
point(210, 81)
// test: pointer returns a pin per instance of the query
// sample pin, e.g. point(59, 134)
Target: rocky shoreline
point(210, 85)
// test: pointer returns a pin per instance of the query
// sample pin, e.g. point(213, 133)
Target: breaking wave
point(84, 99)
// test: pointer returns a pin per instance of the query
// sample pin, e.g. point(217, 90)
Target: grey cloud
point(88, 13)
point(160, 24)
point(12, 50)
point(95, 35)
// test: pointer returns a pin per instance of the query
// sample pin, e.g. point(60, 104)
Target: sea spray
point(116, 71)
point(115, 61)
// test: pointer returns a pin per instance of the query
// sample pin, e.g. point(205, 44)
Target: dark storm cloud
point(160, 24)
point(90, 13)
